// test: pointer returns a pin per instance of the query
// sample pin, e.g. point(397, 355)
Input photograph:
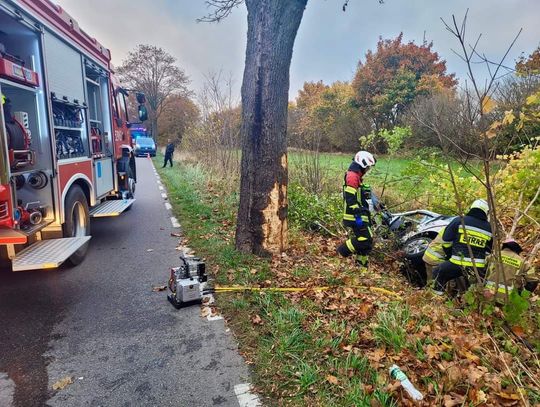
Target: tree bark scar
point(262, 214)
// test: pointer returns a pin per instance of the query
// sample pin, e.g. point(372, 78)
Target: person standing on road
point(169, 150)
point(474, 232)
point(357, 215)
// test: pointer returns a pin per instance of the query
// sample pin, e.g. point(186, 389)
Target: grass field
point(333, 348)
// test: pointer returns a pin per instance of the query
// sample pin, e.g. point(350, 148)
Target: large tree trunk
point(262, 214)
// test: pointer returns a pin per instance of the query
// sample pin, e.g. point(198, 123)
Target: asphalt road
point(101, 324)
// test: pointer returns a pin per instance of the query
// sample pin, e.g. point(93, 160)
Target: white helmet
point(364, 159)
point(482, 205)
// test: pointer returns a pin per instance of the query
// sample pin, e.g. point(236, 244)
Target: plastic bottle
point(397, 374)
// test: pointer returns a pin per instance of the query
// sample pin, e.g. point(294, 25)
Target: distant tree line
point(396, 94)
point(399, 97)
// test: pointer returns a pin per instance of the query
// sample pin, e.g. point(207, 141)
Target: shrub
point(313, 212)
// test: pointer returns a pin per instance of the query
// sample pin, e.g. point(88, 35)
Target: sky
point(329, 44)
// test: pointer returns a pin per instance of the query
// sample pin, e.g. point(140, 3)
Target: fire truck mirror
point(143, 113)
point(141, 98)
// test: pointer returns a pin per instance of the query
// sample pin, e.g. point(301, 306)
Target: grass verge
point(322, 348)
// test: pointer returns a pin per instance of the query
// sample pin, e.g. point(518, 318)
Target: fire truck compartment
point(111, 208)
point(47, 254)
point(30, 161)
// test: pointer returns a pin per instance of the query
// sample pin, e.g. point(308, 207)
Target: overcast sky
point(329, 44)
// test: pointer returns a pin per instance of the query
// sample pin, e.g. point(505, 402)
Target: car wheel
point(415, 247)
point(76, 221)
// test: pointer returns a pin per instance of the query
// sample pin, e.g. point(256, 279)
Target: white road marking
point(245, 397)
point(164, 195)
point(168, 206)
point(160, 188)
point(7, 390)
point(174, 222)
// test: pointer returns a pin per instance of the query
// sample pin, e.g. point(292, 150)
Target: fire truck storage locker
point(25, 144)
point(66, 91)
point(99, 118)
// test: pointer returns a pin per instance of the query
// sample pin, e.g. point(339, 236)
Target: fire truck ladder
point(47, 254)
point(111, 208)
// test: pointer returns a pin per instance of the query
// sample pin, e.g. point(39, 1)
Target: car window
point(145, 141)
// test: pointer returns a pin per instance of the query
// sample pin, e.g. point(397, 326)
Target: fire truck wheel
point(76, 221)
point(131, 183)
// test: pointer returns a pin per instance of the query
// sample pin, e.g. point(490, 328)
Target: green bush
point(520, 175)
point(314, 212)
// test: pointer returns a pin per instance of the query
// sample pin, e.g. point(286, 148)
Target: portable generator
point(186, 281)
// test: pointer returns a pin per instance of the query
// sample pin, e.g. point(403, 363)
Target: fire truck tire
point(131, 186)
point(76, 221)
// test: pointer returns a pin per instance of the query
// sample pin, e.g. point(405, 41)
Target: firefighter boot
point(344, 250)
point(362, 262)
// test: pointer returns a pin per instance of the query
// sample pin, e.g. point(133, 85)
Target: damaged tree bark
point(262, 213)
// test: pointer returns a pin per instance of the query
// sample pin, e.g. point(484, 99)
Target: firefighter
point(169, 150)
point(434, 255)
point(477, 234)
point(517, 273)
point(357, 205)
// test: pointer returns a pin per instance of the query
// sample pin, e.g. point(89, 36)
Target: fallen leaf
point(432, 352)
point(474, 374)
point(454, 375)
point(508, 396)
point(332, 379)
point(519, 331)
point(205, 312)
point(176, 234)
point(159, 288)
point(62, 383)
point(453, 399)
point(478, 396)
point(256, 320)
point(471, 356)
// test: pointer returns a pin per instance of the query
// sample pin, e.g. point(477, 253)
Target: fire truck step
point(47, 254)
point(111, 208)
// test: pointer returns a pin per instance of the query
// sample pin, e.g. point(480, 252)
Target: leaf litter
point(448, 354)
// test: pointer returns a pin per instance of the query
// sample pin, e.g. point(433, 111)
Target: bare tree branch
point(222, 9)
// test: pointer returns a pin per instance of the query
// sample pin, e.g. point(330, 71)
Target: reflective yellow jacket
point(434, 254)
point(515, 272)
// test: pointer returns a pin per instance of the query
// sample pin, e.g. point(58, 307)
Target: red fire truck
point(65, 147)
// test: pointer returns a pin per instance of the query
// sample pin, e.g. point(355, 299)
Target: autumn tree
point(389, 79)
point(150, 69)
point(324, 117)
point(178, 115)
point(529, 65)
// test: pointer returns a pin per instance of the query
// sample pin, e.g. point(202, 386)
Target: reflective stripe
point(475, 231)
point(350, 190)
point(431, 257)
point(355, 206)
point(365, 218)
point(446, 244)
point(350, 246)
point(467, 261)
point(362, 239)
point(433, 254)
point(502, 288)
point(347, 216)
